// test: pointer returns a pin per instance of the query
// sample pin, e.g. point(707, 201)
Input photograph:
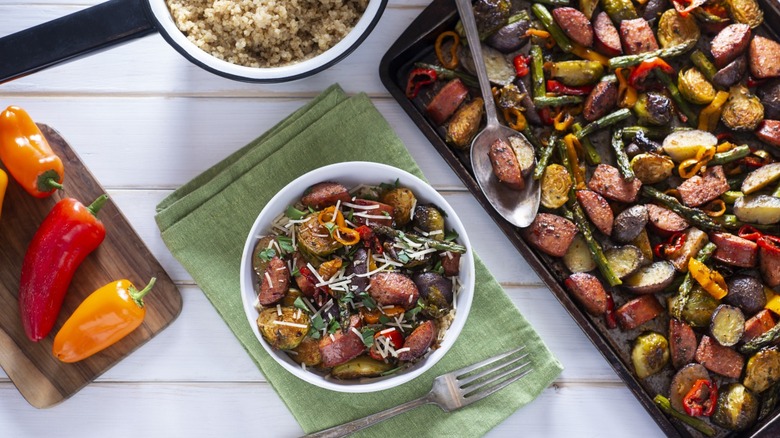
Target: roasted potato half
point(360, 367)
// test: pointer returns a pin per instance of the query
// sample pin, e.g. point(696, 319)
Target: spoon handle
point(470, 26)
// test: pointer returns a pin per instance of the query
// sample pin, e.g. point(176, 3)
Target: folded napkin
point(205, 224)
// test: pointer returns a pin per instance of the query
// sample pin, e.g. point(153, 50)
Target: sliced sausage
point(274, 282)
point(419, 341)
point(759, 324)
point(600, 101)
point(637, 36)
point(598, 210)
point(446, 101)
point(719, 359)
point(682, 343)
point(730, 43)
point(393, 289)
point(550, 234)
point(638, 311)
point(609, 183)
point(606, 39)
point(734, 250)
point(450, 262)
point(575, 25)
point(588, 291)
point(505, 165)
point(764, 58)
point(324, 194)
point(769, 262)
point(375, 213)
point(769, 132)
point(665, 221)
point(304, 283)
point(341, 346)
point(731, 73)
point(701, 189)
point(695, 239)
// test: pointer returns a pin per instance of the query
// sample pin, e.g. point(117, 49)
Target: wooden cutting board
point(42, 379)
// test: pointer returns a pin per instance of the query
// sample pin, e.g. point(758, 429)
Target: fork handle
point(362, 423)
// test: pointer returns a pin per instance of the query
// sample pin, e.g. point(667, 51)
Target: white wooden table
point(145, 121)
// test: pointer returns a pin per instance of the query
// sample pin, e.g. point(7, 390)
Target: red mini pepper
point(66, 236)
point(749, 232)
point(685, 7)
point(417, 78)
point(639, 73)
point(769, 243)
point(391, 334)
point(554, 86)
point(521, 65)
point(674, 244)
point(701, 399)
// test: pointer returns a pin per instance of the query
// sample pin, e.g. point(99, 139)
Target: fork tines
point(484, 378)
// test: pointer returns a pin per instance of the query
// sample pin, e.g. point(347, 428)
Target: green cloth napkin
point(206, 221)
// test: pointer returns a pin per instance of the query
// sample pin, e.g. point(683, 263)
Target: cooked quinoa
point(265, 33)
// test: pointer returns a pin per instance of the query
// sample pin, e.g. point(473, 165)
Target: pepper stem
point(53, 184)
point(95, 206)
point(138, 295)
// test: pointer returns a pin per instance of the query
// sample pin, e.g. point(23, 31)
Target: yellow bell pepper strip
point(772, 302)
point(27, 155)
point(690, 167)
point(709, 115)
point(710, 280)
point(562, 121)
point(346, 236)
point(101, 320)
point(3, 187)
point(590, 55)
point(514, 118)
point(452, 62)
point(627, 95)
point(715, 208)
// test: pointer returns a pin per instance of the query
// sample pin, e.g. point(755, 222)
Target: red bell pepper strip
point(674, 244)
point(554, 86)
point(640, 72)
point(521, 65)
point(417, 78)
point(66, 236)
point(609, 316)
point(370, 239)
point(753, 82)
point(393, 335)
point(749, 232)
point(685, 7)
point(701, 399)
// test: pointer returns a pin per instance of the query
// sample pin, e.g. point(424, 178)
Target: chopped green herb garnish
point(367, 301)
point(386, 186)
point(317, 323)
point(451, 235)
point(285, 244)
point(438, 268)
point(298, 303)
point(267, 254)
point(383, 319)
point(295, 214)
point(410, 314)
point(368, 336)
point(403, 257)
point(333, 325)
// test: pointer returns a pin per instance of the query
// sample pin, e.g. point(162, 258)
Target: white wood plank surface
point(145, 121)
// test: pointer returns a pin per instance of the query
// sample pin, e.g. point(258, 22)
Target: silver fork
point(451, 391)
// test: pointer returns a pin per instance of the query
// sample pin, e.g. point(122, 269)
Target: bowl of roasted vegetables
point(655, 126)
point(357, 277)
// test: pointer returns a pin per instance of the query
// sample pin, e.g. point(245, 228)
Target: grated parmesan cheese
point(291, 324)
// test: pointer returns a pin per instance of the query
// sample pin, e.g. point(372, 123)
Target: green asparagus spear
point(682, 104)
point(731, 222)
point(686, 287)
point(693, 215)
point(729, 156)
point(529, 134)
point(704, 65)
point(731, 196)
point(537, 71)
point(761, 341)
point(595, 249)
point(554, 2)
point(591, 154)
point(445, 73)
point(665, 405)
point(631, 60)
point(621, 158)
point(629, 132)
point(542, 101)
point(549, 23)
point(544, 158)
point(609, 119)
point(441, 245)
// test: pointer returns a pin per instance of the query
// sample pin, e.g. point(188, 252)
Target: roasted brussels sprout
point(652, 168)
point(491, 15)
point(510, 97)
point(403, 202)
point(746, 11)
point(674, 29)
point(360, 367)
point(556, 183)
point(698, 309)
point(695, 87)
point(650, 354)
point(653, 109)
point(283, 331)
point(577, 73)
point(314, 240)
point(737, 407)
point(429, 219)
point(743, 111)
point(290, 297)
point(435, 292)
point(762, 370)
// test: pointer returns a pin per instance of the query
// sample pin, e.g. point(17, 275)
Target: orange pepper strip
point(691, 166)
point(537, 33)
point(590, 55)
point(102, 319)
point(346, 236)
point(571, 151)
point(715, 208)
point(330, 268)
point(709, 115)
point(673, 193)
point(724, 147)
point(627, 95)
point(453, 61)
point(710, 280)
point(27, 155)
point(514, 118)
point(562, 121)
point(326, 216)
point(3, 187)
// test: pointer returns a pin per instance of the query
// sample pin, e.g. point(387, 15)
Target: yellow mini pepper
point(710, 280)
point(709, 116)
point(3, 187)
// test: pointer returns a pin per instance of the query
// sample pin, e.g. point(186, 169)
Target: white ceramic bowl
point(352, 174)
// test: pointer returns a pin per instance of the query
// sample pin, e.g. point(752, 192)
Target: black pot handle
point(71, 36)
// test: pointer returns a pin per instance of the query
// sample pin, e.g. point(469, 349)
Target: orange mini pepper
point(102, 319)
point(27, 155)
point(3, 187)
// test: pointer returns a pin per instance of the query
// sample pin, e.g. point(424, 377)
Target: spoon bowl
point(519, 207)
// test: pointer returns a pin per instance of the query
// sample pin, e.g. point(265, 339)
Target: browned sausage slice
point(446, 101)
point(682, 343)
point(450, 262)
point(598, 210)
point(759, 324)
point(730, 43)
point(665, 221)
point(505, 165)
point(393, 289)
point(550, 234)
point(638, 311)
point(637, 36)
point(342, 346)
point(600, 101)
point(374, 213)
point(588, 291)
point(274, 282)
point(419, 341)
point(324, 194)
point(764, 58)
point(575, 25)
point(734, 250)
point(769, 132)
point(701, 189)
point(606, 39)
point(719, 359)
point(304, 283)
point(609, 183)
point(769, 263)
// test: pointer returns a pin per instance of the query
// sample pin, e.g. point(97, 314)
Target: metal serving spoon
point(518, 207)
